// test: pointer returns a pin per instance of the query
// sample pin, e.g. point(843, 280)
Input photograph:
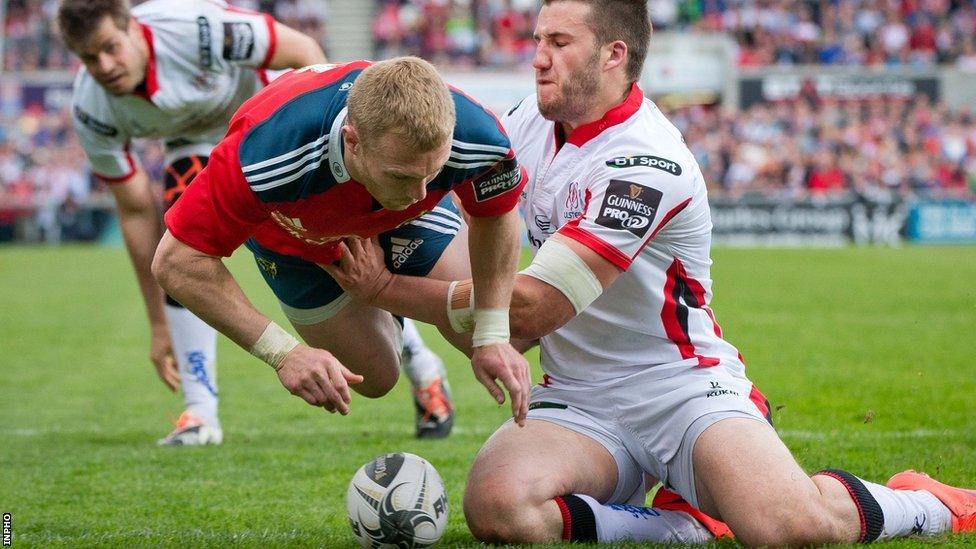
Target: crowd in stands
point(495, 33)
point(498, 33)
point(46, 188)
point(795, 149)
point(768, 32)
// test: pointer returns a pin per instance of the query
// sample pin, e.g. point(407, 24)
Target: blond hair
point(403, 95)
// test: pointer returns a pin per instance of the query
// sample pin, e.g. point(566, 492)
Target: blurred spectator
point(829, 32)
point(495, 33)
point(796, 149)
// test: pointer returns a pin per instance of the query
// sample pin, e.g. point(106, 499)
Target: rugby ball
point(397, 500)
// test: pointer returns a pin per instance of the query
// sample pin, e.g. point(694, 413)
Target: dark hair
point(625, 20)
point(78, 19)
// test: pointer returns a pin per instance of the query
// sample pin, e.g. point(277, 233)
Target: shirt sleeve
point(242, 37)
point(218, 211)
point(496, 191)
point(626, 208)
point(106, 147)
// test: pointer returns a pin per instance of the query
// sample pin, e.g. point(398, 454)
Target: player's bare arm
point(295, 49)
point(203, 284)
point(540, 307)
point(362, 273)
point(141, 227)
point(494, 241)
point(537, 308)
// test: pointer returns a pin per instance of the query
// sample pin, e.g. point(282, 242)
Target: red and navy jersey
point(279, 176)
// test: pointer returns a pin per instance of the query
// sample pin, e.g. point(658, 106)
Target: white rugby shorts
point(649, 421)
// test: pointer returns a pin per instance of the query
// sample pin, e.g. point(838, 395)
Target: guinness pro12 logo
point(628, 206)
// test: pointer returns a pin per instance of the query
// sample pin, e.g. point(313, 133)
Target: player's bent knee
point(502, 512)
point(378, 384)
point(789, 527)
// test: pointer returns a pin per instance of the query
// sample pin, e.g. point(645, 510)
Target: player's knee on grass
point(505, 512)
point(762, 494)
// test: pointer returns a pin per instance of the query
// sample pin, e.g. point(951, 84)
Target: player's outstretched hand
point(161, 355)
point(500, 361)
point(318, 378)
point(360, 270)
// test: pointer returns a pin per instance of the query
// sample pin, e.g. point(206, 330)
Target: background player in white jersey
point(639, 380)
point(177, 70)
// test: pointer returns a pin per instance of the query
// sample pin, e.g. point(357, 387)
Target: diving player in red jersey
point(334, 151)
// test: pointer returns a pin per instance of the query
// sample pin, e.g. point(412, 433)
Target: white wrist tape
point(490, 326)
point(273, 345)
point(460, 307)
point(558, 265)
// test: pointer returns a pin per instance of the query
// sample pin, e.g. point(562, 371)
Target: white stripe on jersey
point(479, 147)
point(433, 227)
point(290, 178)
point(286, 168)
point(447, 213)
point(459, 156)
point(286, 156)
point(449, 222)
point(469, 165)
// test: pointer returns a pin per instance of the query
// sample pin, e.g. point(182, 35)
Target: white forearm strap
point(490, 326)
point(558, 265)
point(460, 306)
point(273, 345)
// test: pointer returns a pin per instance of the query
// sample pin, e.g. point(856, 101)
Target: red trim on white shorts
point(122, 178)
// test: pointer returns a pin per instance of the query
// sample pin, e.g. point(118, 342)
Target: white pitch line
point(485, 431)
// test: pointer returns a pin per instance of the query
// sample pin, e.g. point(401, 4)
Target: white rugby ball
point(397, 501)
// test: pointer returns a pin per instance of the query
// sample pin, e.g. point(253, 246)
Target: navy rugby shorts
point(308, 294)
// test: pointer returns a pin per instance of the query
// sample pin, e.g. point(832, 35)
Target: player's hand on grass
point(500, 361)
point(318, 378)
point(161, 355)
point(360, 270)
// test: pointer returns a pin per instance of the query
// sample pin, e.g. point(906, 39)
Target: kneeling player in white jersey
point(177, 70)
point(639, 380)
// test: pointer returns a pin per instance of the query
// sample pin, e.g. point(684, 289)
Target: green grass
point(867, 354)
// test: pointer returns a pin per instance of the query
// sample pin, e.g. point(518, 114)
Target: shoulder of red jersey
point(292, 132)
point(479, 146)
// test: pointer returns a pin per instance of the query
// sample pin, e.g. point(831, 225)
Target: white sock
point(195, 349)
point(619, 522)
point(908, 512)
point(422, 366)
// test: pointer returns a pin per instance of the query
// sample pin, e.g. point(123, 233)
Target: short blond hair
point(404, 95)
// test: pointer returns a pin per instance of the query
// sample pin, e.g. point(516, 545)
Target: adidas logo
point(402, 248)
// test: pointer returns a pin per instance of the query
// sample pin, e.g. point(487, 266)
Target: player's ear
point(617, 54)
point(350, 138)
point(133, 29)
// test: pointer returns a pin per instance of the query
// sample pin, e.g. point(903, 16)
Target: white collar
point(336, 164)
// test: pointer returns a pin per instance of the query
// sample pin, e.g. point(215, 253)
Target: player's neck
point(609, 97)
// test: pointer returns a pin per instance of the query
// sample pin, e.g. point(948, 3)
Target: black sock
point(579, 524)
point(868, 509)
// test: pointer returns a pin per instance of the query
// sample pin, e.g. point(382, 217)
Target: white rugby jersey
point(627, 187)
point(205, 59)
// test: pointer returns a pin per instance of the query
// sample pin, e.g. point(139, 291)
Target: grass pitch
point(866, 354)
